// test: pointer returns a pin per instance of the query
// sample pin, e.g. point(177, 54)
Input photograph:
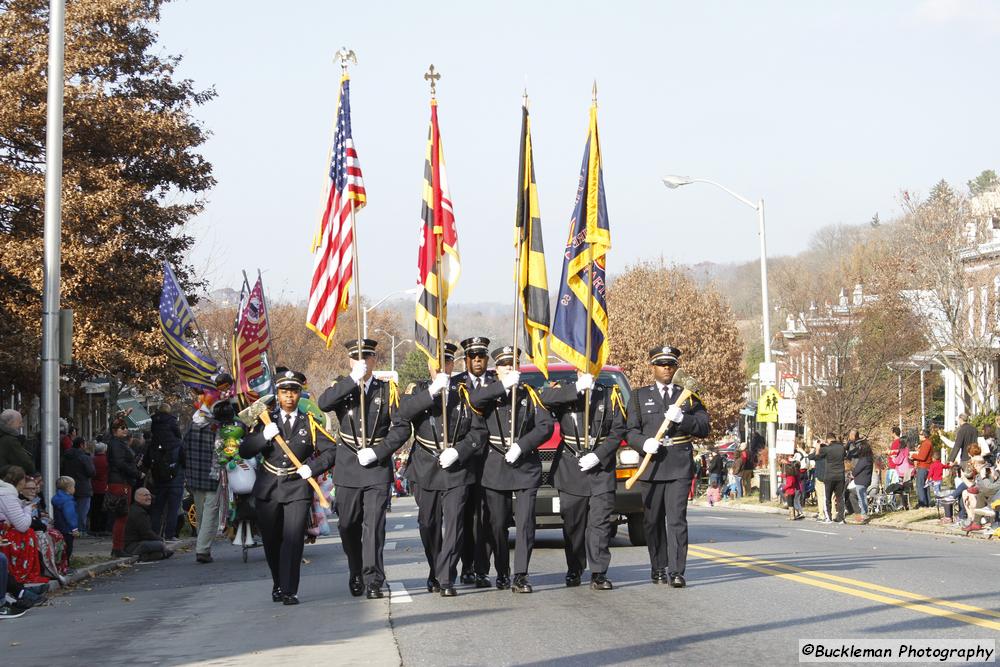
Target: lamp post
point(364, 316)
point(674, 182)
point(393, 345)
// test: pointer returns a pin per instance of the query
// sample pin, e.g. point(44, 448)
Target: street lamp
point(673, 182)
point(364, 317)
point(393, 346)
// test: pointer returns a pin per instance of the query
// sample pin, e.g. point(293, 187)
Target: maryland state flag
point(195, 369)
point(438, 241)
point(588, 244)
point(532, 281)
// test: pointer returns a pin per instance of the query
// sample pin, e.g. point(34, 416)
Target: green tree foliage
point(413, 368)
point(132, 177)
point(984, 182)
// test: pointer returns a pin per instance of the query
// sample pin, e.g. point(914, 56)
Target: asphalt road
point(756, 585)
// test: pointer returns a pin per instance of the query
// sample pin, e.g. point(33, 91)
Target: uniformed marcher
point(667, 479)
point(363, 471)
point(512, 465)
point(283, 496)
point(441, 476)
point(584, 473)
point(477, 544)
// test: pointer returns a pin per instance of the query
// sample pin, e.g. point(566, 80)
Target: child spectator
point(64, 511)
point(734, 486)
point(936, 473)
point(714, 494)
point(792, 472)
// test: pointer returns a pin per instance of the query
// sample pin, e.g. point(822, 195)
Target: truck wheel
point(636, 531)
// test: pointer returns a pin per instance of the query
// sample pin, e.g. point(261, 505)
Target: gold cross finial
point(432, 76)
point(345, 56)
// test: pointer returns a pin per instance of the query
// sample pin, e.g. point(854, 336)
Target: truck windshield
point(607, 378)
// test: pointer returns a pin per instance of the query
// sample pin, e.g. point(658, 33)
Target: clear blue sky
point(826, 110)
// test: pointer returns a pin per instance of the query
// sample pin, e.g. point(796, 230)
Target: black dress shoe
point(677, 581)
point(599, 582)
point(356, 585)
point(432, 585)
point(374, 592)
point(203, 558)
point(468, 578)
point(572, 579)
point(503, 582)
point(482, 581)
point(276, 594)
point(660, 577)
point(448, 591)
point(520, 584)
point(289, 599)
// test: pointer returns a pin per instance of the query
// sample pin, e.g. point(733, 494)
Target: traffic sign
point(767, 406)
point(787, 411)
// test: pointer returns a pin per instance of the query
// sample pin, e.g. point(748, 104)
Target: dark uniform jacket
point(344, 398)
point(607, 428)
point(534, 426)
point(276, 477)
point(465, 379)
point(419, 415)
point(646, 412)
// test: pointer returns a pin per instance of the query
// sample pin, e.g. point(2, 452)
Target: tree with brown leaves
point(652, 304)
point(132, 177)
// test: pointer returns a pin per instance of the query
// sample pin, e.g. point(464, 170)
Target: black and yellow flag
point(532, 282)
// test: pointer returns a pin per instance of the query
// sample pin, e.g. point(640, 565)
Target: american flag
point(333, 247)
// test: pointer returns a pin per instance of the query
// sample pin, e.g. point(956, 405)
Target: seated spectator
point(51, 543)
point(140, 539)
point(965, 478)
point(20, 544)
point(713, 494)
point(64, 512)
point(6, 610)
point(981, 493)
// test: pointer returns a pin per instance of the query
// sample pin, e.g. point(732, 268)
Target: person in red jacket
point(791, 487)
point(922, 459)
point(99, 484)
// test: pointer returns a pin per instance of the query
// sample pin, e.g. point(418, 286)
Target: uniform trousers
point(499, 505)
point(440, 518)
point(587, 530)
point(362, 530)
point(283, 529)
point(477, 544)
point(665, 520)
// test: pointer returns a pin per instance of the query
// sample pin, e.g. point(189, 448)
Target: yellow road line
point(863, 584)
point(750, 564)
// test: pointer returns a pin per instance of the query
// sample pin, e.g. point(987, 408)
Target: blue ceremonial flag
point(196, 370)
point(586, 250)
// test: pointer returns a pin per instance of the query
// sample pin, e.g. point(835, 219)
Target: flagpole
point(518, 242)
point(345, 56)
point(267, 310)
point(590, 307)
point(433, 77)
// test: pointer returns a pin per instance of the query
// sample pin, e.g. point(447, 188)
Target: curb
point(910, 527)
point(100, 568)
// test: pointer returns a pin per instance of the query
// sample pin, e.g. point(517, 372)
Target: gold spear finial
point(595, 91)
point(524, 97)
point(345, 56)
point(432, 76)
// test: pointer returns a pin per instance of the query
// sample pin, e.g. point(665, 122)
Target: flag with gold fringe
point(582, 297)
point(438, 261)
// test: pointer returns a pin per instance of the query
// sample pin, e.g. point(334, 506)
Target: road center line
point(398, 526)
point(911, 601)
point(390, 546)
point(717, 518)
point(398, 593)
point(818, 532)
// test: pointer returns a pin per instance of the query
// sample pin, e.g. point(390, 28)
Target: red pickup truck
point(628, 504)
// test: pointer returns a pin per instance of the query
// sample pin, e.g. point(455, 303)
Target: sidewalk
point(92, 556)
point(917, 520)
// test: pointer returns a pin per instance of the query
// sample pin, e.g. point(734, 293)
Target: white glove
point(441, 380)
point(674, 414)
point(366, 456)
point(510, 379)
point(651, 446)
point(270, 431)
point(448, 457)
point(588, 461)
point(305, 472)
point(513, 454)
point(358, 370)
point(584, 381)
